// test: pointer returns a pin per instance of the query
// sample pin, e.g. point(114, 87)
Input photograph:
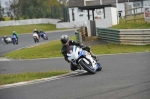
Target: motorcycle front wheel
point(87, 67)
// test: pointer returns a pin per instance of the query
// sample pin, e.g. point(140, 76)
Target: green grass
point(118, 48)
point(7, 30)
point(52, 49)
point(48, 50)
point(14, 78)
point(132, 25)
point(138, 24)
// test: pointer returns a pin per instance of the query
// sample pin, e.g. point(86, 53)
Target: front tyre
point(87, 67)
point(13, 40)
point(6, 42)
point(99, 68)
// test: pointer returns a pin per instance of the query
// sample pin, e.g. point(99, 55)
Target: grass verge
point(52, 49)
point(7, 30)
point(14, 78)
point(116, 48)
point(138, 24)
point(48, 50)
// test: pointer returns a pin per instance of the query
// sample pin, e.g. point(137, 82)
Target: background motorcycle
point(35, 37)
point(44, 36)
point(14, 39)
point(7, 40)
point(83, 60)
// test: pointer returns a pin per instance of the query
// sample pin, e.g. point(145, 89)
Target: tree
point(1, 12)
point(7, 9)
point(34, 8)
point(64, 2)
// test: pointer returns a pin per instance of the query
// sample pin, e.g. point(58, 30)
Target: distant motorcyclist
point(16, 35)
point(4, 38)
point(66, 43)
point(36, 31)
point(42, 33)
point(35, 35)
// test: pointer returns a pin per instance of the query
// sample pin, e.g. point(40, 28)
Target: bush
point(2, 19)
point(11, 17)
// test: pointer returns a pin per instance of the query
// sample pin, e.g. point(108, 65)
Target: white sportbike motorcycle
point(7, 40)
point(83, 59)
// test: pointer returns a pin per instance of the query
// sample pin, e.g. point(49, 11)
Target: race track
point(124, 76)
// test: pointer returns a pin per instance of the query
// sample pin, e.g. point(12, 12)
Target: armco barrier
point(108, 35)
point(125, 36)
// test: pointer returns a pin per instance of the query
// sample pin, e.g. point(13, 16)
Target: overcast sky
point(3, 2)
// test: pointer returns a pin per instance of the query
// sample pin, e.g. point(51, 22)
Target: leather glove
point(86, 48)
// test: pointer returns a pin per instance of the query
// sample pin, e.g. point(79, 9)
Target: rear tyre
point(6, 42)
point(35, 41)
point(46, 37)
point(17, 41)
point(87, 67)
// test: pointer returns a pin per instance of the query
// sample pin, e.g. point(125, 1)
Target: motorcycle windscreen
point(72, 53)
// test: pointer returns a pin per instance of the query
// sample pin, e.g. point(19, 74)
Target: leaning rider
point(36, 31)
point(4, 38)
point(42, 33)
point(65, 43)
point(16, 35)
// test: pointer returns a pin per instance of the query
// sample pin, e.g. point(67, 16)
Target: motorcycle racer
point(16, 35)
point(66, 43)
point(42, 33)
point(35, 35)
point(5, 39)
point(37, 32)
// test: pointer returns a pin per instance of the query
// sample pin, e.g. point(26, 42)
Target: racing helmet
point(13, 33)
point(41, 30)
point(64, 39)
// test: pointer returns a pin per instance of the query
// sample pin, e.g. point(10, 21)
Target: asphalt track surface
point(124, 76)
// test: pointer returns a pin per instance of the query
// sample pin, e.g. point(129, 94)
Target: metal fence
point(136, 13)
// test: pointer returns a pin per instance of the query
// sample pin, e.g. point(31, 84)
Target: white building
point(77, 15)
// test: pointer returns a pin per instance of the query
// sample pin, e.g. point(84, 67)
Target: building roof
point(80, 3)
point(76, 3)
point(96, 7)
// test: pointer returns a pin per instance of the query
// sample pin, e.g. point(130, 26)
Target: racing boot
point(73, 67)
